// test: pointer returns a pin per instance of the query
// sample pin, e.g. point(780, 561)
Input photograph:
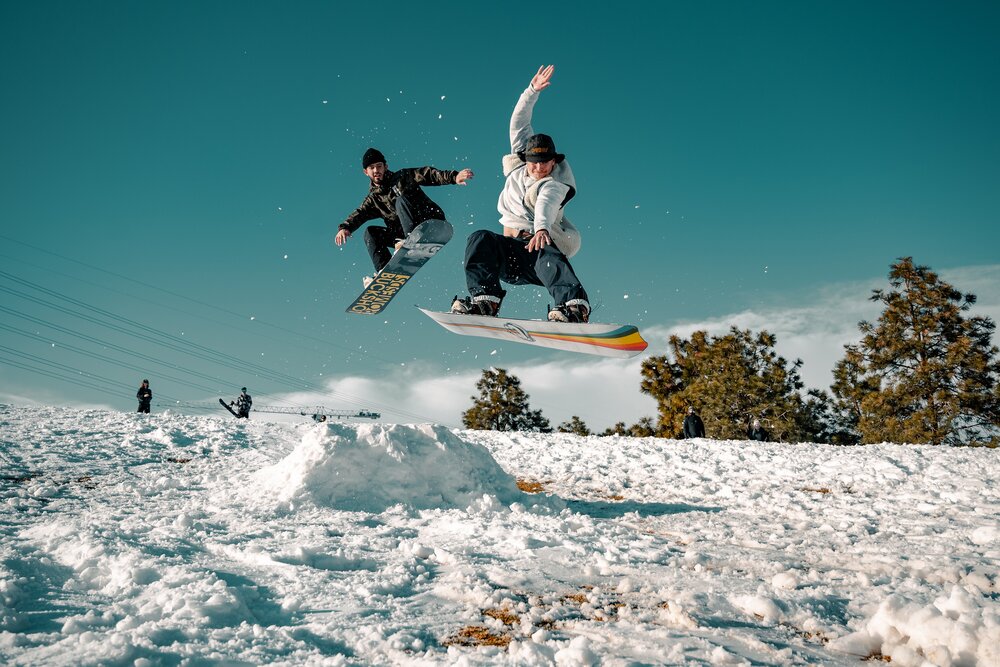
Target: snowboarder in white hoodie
point(537, 239)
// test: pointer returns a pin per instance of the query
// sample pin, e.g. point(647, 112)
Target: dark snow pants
point(492, 257)
point(378, 240)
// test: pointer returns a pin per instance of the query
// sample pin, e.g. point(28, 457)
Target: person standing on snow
point(145, 396)
point(693, 426)
point(243, 403)
point(537, 241)
point(757, 432)
point(397, 198)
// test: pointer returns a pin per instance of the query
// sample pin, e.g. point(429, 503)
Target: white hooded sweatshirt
point(529, 204)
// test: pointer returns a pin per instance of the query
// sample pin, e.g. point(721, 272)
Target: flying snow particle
point(325, 101)
point(286, 257)
point(625, 297)
point(637, 206)
point(440, 116)
point(442, 97)
point(252, 318)
point(493, 352)
point(456, 138)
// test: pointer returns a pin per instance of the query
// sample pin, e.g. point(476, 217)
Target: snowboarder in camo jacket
point(243, 404)
point(397, 198)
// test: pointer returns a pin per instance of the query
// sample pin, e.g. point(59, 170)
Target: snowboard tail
point(423, 243)
point(606, 340)
point(229, 407)
point(379, 293)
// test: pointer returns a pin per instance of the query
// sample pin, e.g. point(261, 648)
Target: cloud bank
point(605, 391)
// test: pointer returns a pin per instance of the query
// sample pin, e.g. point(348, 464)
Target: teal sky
point(184, 165)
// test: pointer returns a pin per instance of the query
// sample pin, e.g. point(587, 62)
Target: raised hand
point(543, 78)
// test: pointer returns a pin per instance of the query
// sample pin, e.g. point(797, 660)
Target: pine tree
point(574, 425)
point(644, 428)
point(502, 405)
point(824, 422)
point(618, 429)
point(923, 373)
point(733, 379)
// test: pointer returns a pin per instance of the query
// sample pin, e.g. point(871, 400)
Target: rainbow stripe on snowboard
point(606, 340)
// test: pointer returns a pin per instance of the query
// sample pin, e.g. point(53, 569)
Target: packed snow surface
point(165, 539)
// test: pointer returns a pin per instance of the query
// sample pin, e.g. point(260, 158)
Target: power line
point(167, 340)
point(171, 342)
point(96, 355)
point(102, 343)
point(88, 378)
point(184, 297)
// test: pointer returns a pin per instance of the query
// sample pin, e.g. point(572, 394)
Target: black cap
point(243, 389)
point(146, 381)
point(371, 156)
point(541, 148)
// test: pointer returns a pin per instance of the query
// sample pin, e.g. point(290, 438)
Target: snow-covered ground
point(168, 539)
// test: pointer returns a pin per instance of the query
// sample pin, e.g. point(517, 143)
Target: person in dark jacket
point(397, 198)
point(145, 396)
point(757, 432)
point(693, 426)
point(243, 404)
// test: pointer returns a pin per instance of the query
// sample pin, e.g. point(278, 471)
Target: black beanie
point(372, 155)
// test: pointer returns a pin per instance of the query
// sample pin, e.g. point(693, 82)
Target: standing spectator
point(757, 432)
point(243, 403)
point(693, 426)
point(145, 396)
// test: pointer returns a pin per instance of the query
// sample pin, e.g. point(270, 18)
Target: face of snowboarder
point(376, 172)
point(539, 170)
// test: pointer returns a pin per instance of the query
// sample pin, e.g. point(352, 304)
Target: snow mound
point(371, 467)
point(954, 630)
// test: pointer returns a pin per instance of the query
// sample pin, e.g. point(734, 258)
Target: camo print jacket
point(381, 199)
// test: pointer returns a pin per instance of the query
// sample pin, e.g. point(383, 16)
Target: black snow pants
point(378, 240)
point(492, 257)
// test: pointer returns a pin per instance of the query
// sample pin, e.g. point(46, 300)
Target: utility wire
point(41, 371)
point(172, 342)
point(117, 362)
point(360, 400)
point(88, 376)
point(146, 300)
point(240, 316)
point(167, 340)
point(113, 346)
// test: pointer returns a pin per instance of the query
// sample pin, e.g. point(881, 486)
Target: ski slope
point(167, 539)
